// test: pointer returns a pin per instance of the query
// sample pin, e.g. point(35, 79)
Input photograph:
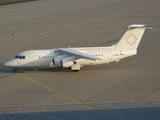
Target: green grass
point(10, 1)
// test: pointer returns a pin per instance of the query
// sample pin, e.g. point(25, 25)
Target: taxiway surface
point(47, 24)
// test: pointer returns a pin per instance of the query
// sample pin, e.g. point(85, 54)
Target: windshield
point(20, 57)
point(17, 56)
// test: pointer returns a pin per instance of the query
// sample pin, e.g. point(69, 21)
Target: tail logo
point(131, 39)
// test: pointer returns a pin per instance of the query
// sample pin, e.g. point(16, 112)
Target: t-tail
point(131, 38)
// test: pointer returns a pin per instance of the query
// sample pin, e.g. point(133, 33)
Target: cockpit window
point(20, 57)
point(17, 56)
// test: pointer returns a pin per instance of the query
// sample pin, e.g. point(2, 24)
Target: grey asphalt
point(47, 24)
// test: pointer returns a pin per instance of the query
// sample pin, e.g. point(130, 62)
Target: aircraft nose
point(7, 64)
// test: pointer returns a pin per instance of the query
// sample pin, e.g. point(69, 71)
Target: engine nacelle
point(56, 60)
point(66, 63)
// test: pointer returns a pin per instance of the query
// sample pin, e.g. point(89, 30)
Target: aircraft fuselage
point(44, 58)
point(75, 58)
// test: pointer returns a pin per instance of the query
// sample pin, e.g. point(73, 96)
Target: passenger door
point(31, 58)
point(109, 55)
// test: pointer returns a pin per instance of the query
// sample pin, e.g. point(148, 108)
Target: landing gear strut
point(15, 70)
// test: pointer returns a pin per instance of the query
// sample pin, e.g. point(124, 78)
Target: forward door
point(31, 58)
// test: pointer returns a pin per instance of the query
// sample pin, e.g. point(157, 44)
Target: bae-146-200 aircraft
point(75, 58)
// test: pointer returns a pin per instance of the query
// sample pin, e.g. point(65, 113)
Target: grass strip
point(10, 1)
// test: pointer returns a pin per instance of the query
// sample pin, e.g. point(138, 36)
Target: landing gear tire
point(75, 67)
point(15, 70)
point(75, 70)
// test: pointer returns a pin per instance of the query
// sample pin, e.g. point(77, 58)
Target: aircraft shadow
point(4, 69)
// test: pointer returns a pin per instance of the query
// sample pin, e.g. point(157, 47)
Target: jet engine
point(56, 60)
point(64, 61)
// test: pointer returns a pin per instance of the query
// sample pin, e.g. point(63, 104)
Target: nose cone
point(7, 64)
point(11, 63)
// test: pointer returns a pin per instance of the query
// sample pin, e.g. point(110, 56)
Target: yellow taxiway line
point(54, 90)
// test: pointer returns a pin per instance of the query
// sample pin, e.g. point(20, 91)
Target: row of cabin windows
point(53, 56)
point(97, 55)
point(23, 57)
point(47, 57)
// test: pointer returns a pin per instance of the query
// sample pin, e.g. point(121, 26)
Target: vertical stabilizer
point(132, 37)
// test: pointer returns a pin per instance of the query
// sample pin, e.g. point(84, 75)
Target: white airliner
point(75, 58)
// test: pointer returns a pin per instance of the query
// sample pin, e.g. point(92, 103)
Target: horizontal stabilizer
point(140, 26)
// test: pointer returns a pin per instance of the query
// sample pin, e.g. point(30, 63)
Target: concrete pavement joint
point(102, 102)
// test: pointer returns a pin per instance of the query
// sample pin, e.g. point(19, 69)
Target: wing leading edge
point(76, 53)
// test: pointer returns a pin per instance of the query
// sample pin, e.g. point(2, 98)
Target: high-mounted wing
point(76, 53)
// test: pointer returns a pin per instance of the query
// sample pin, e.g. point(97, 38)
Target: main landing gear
point(75, 70)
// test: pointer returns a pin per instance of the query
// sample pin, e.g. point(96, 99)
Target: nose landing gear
point(15, 70)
